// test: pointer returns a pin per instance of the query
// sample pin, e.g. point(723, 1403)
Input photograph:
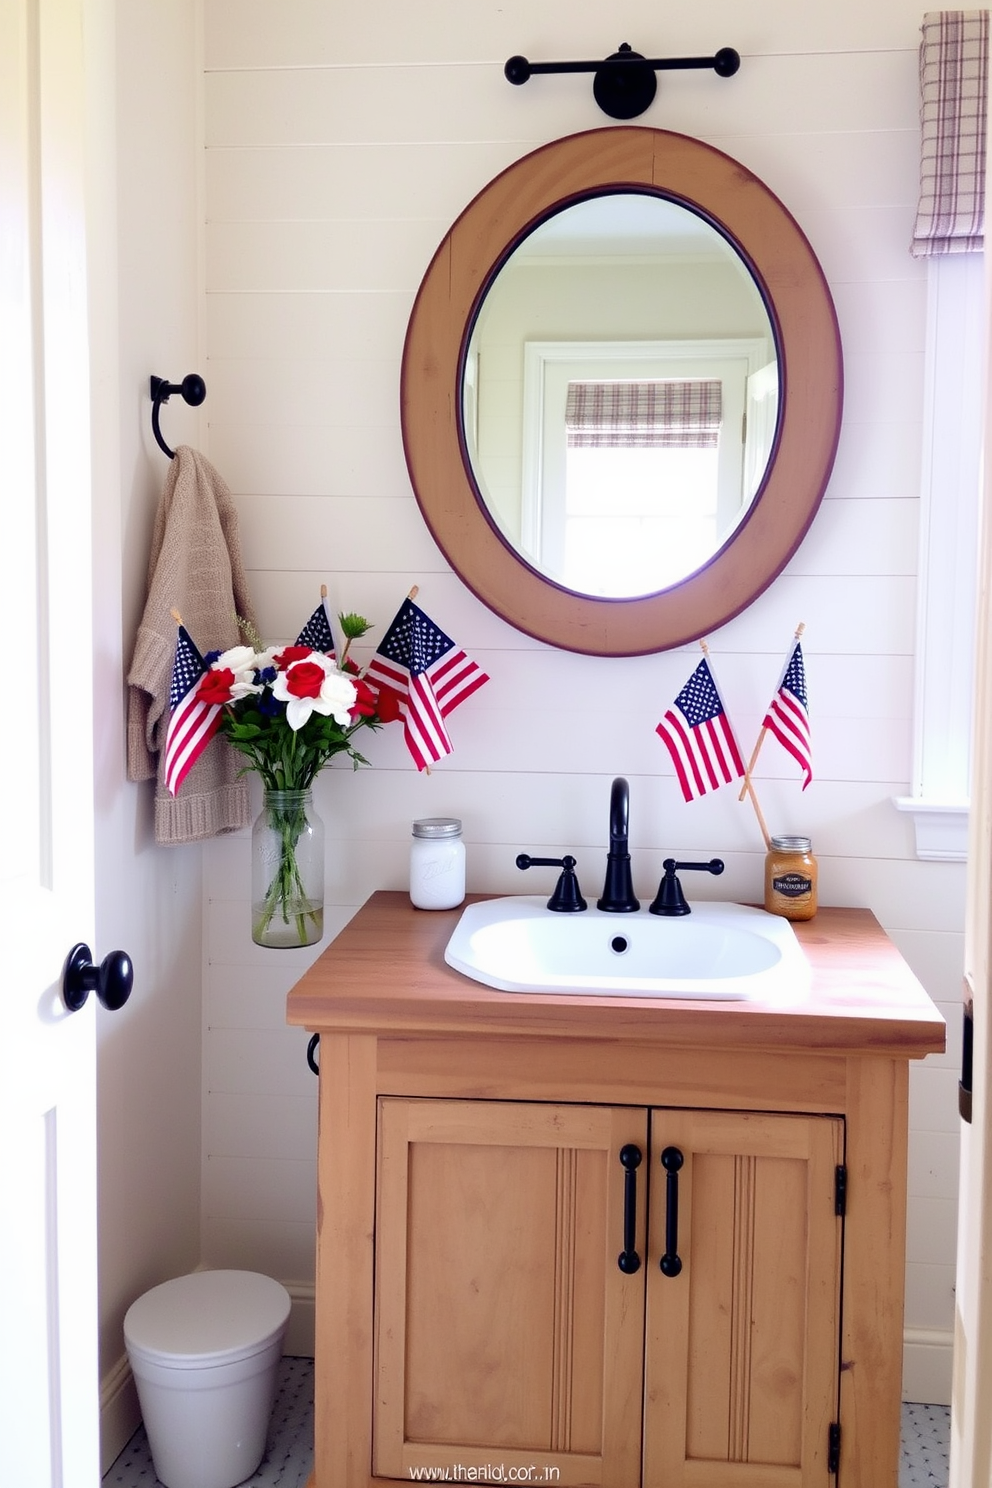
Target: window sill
point(941, 828)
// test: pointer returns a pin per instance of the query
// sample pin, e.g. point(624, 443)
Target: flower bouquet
point(289, 710)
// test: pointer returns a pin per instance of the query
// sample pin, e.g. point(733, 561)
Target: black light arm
point(625, 82)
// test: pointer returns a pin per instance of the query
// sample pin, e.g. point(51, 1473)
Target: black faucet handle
point(670, 899)
point(567, 897)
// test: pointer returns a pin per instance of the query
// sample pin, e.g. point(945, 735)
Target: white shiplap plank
point(332, 459)
point(318, 105)
point(873, 538)
point(249, 33)
point(384, 181)
point(875, 618)
point(295, 326)
point(930, 1296)
point(933, 1165)
point(299, 392)
point(282, 1248)
point(250, 1061)
point(261, 1126)
point(338, 534)
point(262, 1189)
point(876, 460)
point(357, 257)
point(381, 181)
point(931, 1229)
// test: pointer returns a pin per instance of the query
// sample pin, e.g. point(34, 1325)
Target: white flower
point(242, 661)
point(314, 685)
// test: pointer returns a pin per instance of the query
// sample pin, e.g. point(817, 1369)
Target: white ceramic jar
point(437, 863)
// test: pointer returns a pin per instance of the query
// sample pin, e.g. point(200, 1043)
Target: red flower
point(306, 678)
point(289, 654)
point(388, 705)
point(215, 685)
point(365, 702)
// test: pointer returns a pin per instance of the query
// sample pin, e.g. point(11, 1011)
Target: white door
point(49, 1415)
point(971, 1401)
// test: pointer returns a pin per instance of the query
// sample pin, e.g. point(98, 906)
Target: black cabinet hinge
point(833, 1447)
point(840, 1190)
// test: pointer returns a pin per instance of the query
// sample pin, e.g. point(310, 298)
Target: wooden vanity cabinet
point(507, 1332)
point(472, 1208)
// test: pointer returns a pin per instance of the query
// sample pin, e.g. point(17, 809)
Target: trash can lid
point(207, 1317)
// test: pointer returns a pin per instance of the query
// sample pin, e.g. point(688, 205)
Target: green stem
point(286, 892)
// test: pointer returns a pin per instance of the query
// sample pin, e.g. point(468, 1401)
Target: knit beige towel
point(195, 568)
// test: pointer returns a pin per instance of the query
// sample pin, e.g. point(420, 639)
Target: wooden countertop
point(386, 972)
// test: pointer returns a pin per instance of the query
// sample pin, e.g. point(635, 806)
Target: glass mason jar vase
point(287, 871)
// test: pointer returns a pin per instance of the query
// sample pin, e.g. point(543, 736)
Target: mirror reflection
point(620, 394)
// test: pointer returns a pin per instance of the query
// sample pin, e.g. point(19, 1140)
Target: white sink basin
point(722, 951)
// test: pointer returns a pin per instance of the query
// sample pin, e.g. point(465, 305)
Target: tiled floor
point(288, 1460)
point(926, 1435)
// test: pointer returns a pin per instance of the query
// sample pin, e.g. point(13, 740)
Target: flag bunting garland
point(421, 676)
point(698, 735)
point(192, 722)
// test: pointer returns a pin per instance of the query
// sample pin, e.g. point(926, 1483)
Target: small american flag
point(428, 676)
point(192, 724)
point(698, 735)
point(317, 633)
point(788, 714)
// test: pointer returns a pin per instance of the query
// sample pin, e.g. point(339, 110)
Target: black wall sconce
point(624, 84)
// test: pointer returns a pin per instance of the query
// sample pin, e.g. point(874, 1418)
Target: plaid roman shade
point(644, 415)
point(953, 84)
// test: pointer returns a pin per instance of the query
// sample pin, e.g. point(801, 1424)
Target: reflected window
point(654, 446)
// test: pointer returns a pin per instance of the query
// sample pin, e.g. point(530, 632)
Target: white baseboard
point(120, 1413)
point(927, 1358)
point(302, 1320)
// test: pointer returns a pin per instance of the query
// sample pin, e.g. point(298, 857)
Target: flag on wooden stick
point(192, 722)
point(698, 735)
point(421, 676)
point(317, 633)
point(788, 713)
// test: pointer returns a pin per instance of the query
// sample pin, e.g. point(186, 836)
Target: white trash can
point(204, 1351)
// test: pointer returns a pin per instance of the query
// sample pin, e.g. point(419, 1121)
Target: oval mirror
point(621, 391)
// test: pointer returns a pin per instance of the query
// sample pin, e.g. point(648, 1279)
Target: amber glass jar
point(790, 878)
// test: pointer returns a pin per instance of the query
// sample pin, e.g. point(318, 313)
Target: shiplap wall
point(340, 144)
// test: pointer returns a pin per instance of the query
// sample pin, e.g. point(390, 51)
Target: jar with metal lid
point(437, 863)
point(790, 878)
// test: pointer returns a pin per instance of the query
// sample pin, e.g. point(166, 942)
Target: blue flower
point(268, 706)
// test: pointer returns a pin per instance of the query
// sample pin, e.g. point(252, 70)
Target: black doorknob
point(111, 980)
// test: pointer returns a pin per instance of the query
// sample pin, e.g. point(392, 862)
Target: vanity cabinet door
point(507, 1337)
point(742, 1350)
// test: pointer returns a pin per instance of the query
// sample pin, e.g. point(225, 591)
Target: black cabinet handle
point(967, 1058)
point(630, 1157)
point(671, 1161)
point(312, 1052)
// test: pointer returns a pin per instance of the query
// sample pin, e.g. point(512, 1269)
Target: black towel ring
point(193, 390)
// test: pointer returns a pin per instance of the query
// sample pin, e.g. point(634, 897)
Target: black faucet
point(618, 890)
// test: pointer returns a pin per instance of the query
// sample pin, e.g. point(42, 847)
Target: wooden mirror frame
point(795, 292)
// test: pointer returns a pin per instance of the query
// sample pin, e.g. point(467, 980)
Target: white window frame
point(542, 473)
point(949, 515)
